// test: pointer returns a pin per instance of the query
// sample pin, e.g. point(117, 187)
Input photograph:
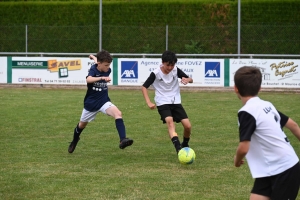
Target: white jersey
point(270, 152)
point(167, 90)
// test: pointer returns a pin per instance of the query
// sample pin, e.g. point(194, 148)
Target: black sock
point(77, 132)
point(185, 142)
point(176, 143)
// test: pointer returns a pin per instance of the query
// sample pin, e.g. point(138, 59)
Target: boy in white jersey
point(97, 100)
point(271, 158)
point(164, 79)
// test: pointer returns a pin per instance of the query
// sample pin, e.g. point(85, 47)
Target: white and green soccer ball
point(186, 156)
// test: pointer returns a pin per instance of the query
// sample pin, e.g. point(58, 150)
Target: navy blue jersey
point(97, 92)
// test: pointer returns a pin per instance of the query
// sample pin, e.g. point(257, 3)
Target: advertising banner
point(3, 69)
point(205, 72)
point(276, 73)
point(47, 70)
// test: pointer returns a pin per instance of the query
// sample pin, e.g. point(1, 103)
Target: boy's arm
point(185, 79)
point(92, 57)
point(91, 79)
point(147, 99)
point(246, 129)
point(241, 152)
point(293, 127)
point(287, 122)
point(146, 85)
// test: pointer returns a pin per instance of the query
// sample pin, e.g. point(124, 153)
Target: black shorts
point(172, 110)
point(281, 186)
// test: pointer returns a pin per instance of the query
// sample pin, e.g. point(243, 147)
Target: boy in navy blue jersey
point(97, 100)
point(271, 158)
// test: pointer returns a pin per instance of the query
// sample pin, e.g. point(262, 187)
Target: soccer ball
point(186, 156)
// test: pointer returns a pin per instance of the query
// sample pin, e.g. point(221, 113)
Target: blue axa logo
point(129, 69)
point(212, 69)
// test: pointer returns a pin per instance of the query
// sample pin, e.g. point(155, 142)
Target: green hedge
point(153, 13)
point(221, 15)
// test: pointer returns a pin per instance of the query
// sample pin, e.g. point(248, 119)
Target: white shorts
point(88, 116)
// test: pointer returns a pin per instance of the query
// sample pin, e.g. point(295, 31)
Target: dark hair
point(104, 56)
point(248, 81)
point(169, 57)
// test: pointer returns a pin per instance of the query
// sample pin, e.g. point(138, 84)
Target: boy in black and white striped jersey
point(271, 158)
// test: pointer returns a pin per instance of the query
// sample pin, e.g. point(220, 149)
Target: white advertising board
point(276, 73)
point(51, 70)
point(205, 72)
point(3, 69)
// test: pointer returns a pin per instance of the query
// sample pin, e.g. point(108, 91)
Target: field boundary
point(118, 87)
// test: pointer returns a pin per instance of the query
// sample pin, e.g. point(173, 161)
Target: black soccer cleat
point(178, 149)
point(125, 143)
point(73, 145)
point(184, 144)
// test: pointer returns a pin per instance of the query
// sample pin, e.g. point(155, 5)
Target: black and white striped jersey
point(270, 151)
point(167, 90)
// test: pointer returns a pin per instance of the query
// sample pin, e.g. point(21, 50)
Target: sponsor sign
point(3, 69)
point(36, 70)
point(276, 73)
point(129, 72)
point(205, 72)
point(213, 73)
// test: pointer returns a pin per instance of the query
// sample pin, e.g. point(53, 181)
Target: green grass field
point(37, 126)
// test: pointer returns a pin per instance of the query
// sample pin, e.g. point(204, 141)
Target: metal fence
point(255, 39)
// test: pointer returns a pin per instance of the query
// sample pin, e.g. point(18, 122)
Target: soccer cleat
point(178, 149)
point(184, 145)
point(73, 145)
point(125, 143)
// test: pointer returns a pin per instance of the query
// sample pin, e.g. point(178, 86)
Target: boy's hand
point(106, 79)
point(92, 57)
point(184, 80)
point(151, 105)
point(238, 164)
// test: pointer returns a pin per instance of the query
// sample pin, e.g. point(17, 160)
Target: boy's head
point(168, 61)
point(169, 58)
point(247, 81)
point(104, 56)
point(103, 60)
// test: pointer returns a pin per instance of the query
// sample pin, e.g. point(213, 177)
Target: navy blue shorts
point(281, 186)
point(172, 110)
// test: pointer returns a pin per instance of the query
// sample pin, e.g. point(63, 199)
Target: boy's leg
point(76, 137)
point(258, 197)
point(114, 112)
point(186, 132)
point(286, 184)
point(121, 128)
point(278, 187)
point(180, 115)
point(185, 142)
point(176, 143)
point(173, 135)
point(167, 118)
point(262, 189)
point(85, 118)
point(124, 142)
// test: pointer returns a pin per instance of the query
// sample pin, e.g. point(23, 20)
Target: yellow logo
point(54, 65)
point(290, 67)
